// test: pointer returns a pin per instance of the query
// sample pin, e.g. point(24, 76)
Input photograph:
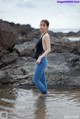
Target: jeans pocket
point(44, 62)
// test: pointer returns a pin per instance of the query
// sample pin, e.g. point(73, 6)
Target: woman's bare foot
point(42, 95)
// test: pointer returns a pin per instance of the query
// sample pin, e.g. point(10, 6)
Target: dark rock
point(19, 71)
point(26, 48)
point(7, 35)
point(74, 34)
point(8, 58)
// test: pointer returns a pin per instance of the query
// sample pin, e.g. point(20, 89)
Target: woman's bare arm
point(47, 45)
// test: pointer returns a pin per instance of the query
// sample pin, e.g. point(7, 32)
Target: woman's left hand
point(38, 60)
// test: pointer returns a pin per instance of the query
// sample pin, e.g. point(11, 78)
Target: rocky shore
point(17, 62)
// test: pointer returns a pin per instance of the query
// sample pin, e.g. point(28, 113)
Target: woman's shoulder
point(46, 36)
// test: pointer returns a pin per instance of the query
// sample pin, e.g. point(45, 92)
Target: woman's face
point(43, 27)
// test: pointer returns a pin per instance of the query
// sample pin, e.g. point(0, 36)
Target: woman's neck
point(44, 32)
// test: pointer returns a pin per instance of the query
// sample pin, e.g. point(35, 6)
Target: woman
point(43, 47)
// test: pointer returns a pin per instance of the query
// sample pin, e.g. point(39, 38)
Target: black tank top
point(39, 48)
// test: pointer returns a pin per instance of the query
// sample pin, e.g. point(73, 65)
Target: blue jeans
point(39, 78)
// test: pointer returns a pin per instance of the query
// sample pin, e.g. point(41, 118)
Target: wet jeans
point(39, 78)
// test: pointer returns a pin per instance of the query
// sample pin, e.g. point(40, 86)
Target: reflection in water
point(7, 98)
point(40, 112)
point(26, 104)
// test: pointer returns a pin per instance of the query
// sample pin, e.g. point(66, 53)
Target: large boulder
point(7, 35)
point(26, 48)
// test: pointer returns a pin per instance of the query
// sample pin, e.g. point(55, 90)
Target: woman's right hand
point(38, 60)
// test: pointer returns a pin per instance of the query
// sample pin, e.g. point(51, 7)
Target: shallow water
point(74, 38)
point(27, 104)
